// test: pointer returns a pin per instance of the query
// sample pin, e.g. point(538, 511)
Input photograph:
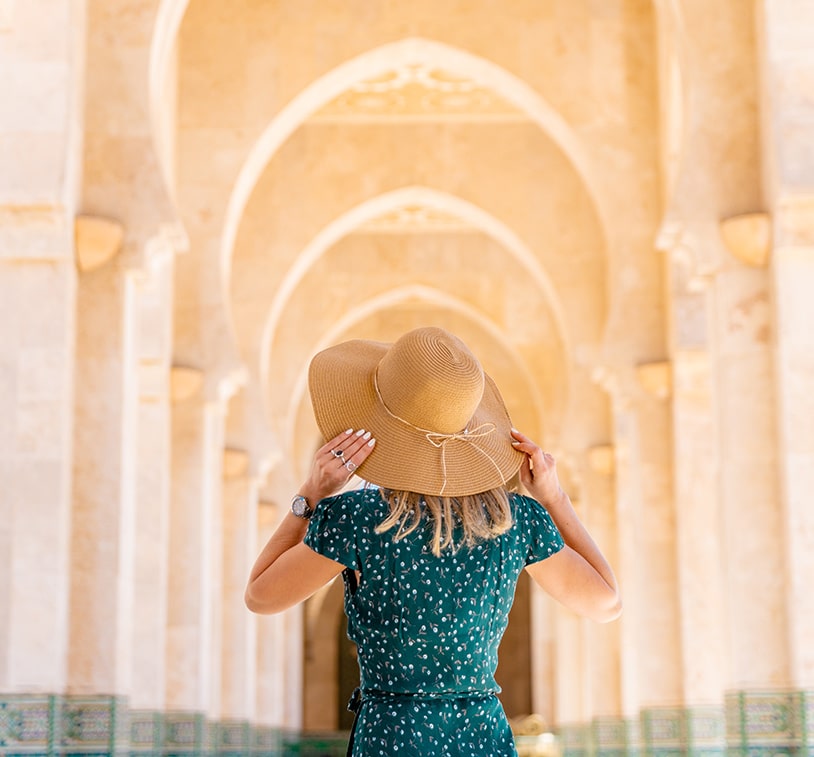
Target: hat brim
point(343, 394)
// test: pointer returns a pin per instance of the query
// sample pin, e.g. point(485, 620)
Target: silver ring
point(338, 453)
point(350, 465)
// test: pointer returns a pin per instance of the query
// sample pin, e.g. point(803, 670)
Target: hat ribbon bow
point(469, 436)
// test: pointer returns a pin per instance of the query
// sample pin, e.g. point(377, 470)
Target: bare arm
point(287, 571)
point(578, 576)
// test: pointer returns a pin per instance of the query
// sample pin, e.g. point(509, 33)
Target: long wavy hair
point(481, 516)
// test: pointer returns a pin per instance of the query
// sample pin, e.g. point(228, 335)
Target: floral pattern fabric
point(427, 628)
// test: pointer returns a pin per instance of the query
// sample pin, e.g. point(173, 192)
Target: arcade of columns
point(611, 202)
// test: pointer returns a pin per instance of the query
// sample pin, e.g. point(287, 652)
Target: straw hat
point(439, 420)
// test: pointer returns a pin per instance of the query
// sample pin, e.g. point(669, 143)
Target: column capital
point(602, 459)
point(169, 240)
point(185, 382)
point(656, 378)
point(694, 258)
point(235, 463)
point(98, 240)
point(619, 382)
point(748, 237)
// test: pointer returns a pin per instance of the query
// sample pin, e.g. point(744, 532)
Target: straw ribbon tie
point(469, 436)
point(440, 440)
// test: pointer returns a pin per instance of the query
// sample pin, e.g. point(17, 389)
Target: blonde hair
point(483, 516)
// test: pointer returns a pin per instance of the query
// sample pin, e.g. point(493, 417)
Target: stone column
point(793, 277)
point(753, 534)
point(699, 529)
point(293, 634)
point(37, 323)
point(193, 647)
point(270, 666)
point(40, 143)
point(786, 27)
point(238, 683)
point(603, 682)
point(123, 191)
point(104, 483)
point(152, 502)
point(571, 706)
point(649, 637)
point(543, 655)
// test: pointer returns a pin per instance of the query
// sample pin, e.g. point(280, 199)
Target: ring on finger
point(350, 465)
point(338, 453)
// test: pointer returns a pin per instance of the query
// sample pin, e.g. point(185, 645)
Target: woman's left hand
point(335, 462)
point(538, 471)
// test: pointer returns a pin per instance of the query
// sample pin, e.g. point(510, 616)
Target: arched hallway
point(611, 203)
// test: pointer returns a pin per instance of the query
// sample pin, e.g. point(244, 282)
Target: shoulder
point(524, 506)
point(532, 517)
point(355, 503)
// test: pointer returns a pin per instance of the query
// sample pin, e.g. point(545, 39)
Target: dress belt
point(355, 706)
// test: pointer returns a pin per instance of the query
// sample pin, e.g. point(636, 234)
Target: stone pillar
point(752, 529)
point(649, 637)
point(104, 483)
point(543, 655)
point(40, 142)
point(689, 380)
point(37, 324)
point(293, 634)
point(270, 676)
point(603, 682)
point(786, 27)
point(193, 647)
point(793, 277)
point(571, 707)
point(238, 683)
point(152, 502)
point(127, 219)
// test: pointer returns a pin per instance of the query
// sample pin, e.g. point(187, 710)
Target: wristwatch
point(301, 508)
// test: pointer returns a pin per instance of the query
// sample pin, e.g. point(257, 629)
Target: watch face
point(300, 507)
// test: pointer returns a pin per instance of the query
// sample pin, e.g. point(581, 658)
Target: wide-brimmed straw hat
point(440, 423)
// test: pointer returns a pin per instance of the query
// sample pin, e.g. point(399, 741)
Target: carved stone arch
point(474, 216)
point(413, 294)
point(378, 61)
point(168, 19)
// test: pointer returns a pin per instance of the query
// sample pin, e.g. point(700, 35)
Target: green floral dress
point(427, 628)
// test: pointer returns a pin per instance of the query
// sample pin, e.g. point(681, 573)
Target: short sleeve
point(331, 531)
point(542, 539)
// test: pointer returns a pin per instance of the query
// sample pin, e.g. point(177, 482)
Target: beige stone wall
point(610, 202)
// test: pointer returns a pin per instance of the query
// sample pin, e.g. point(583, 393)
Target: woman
point(431, 557)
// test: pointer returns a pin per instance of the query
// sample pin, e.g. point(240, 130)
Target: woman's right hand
point(330, 470)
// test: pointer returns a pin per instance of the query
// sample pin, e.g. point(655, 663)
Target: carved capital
point(749, 238)
point(235, 463)
point(656, 378)
point(602, 459)
point(185, 383)
point(98, 241)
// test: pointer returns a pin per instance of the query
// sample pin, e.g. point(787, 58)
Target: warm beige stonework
point(612, 203)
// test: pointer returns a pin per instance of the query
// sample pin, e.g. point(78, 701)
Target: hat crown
point(431, 380)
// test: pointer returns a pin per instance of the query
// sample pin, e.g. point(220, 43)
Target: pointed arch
point(473, 215)
point(393, 298)
point(376, 62)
